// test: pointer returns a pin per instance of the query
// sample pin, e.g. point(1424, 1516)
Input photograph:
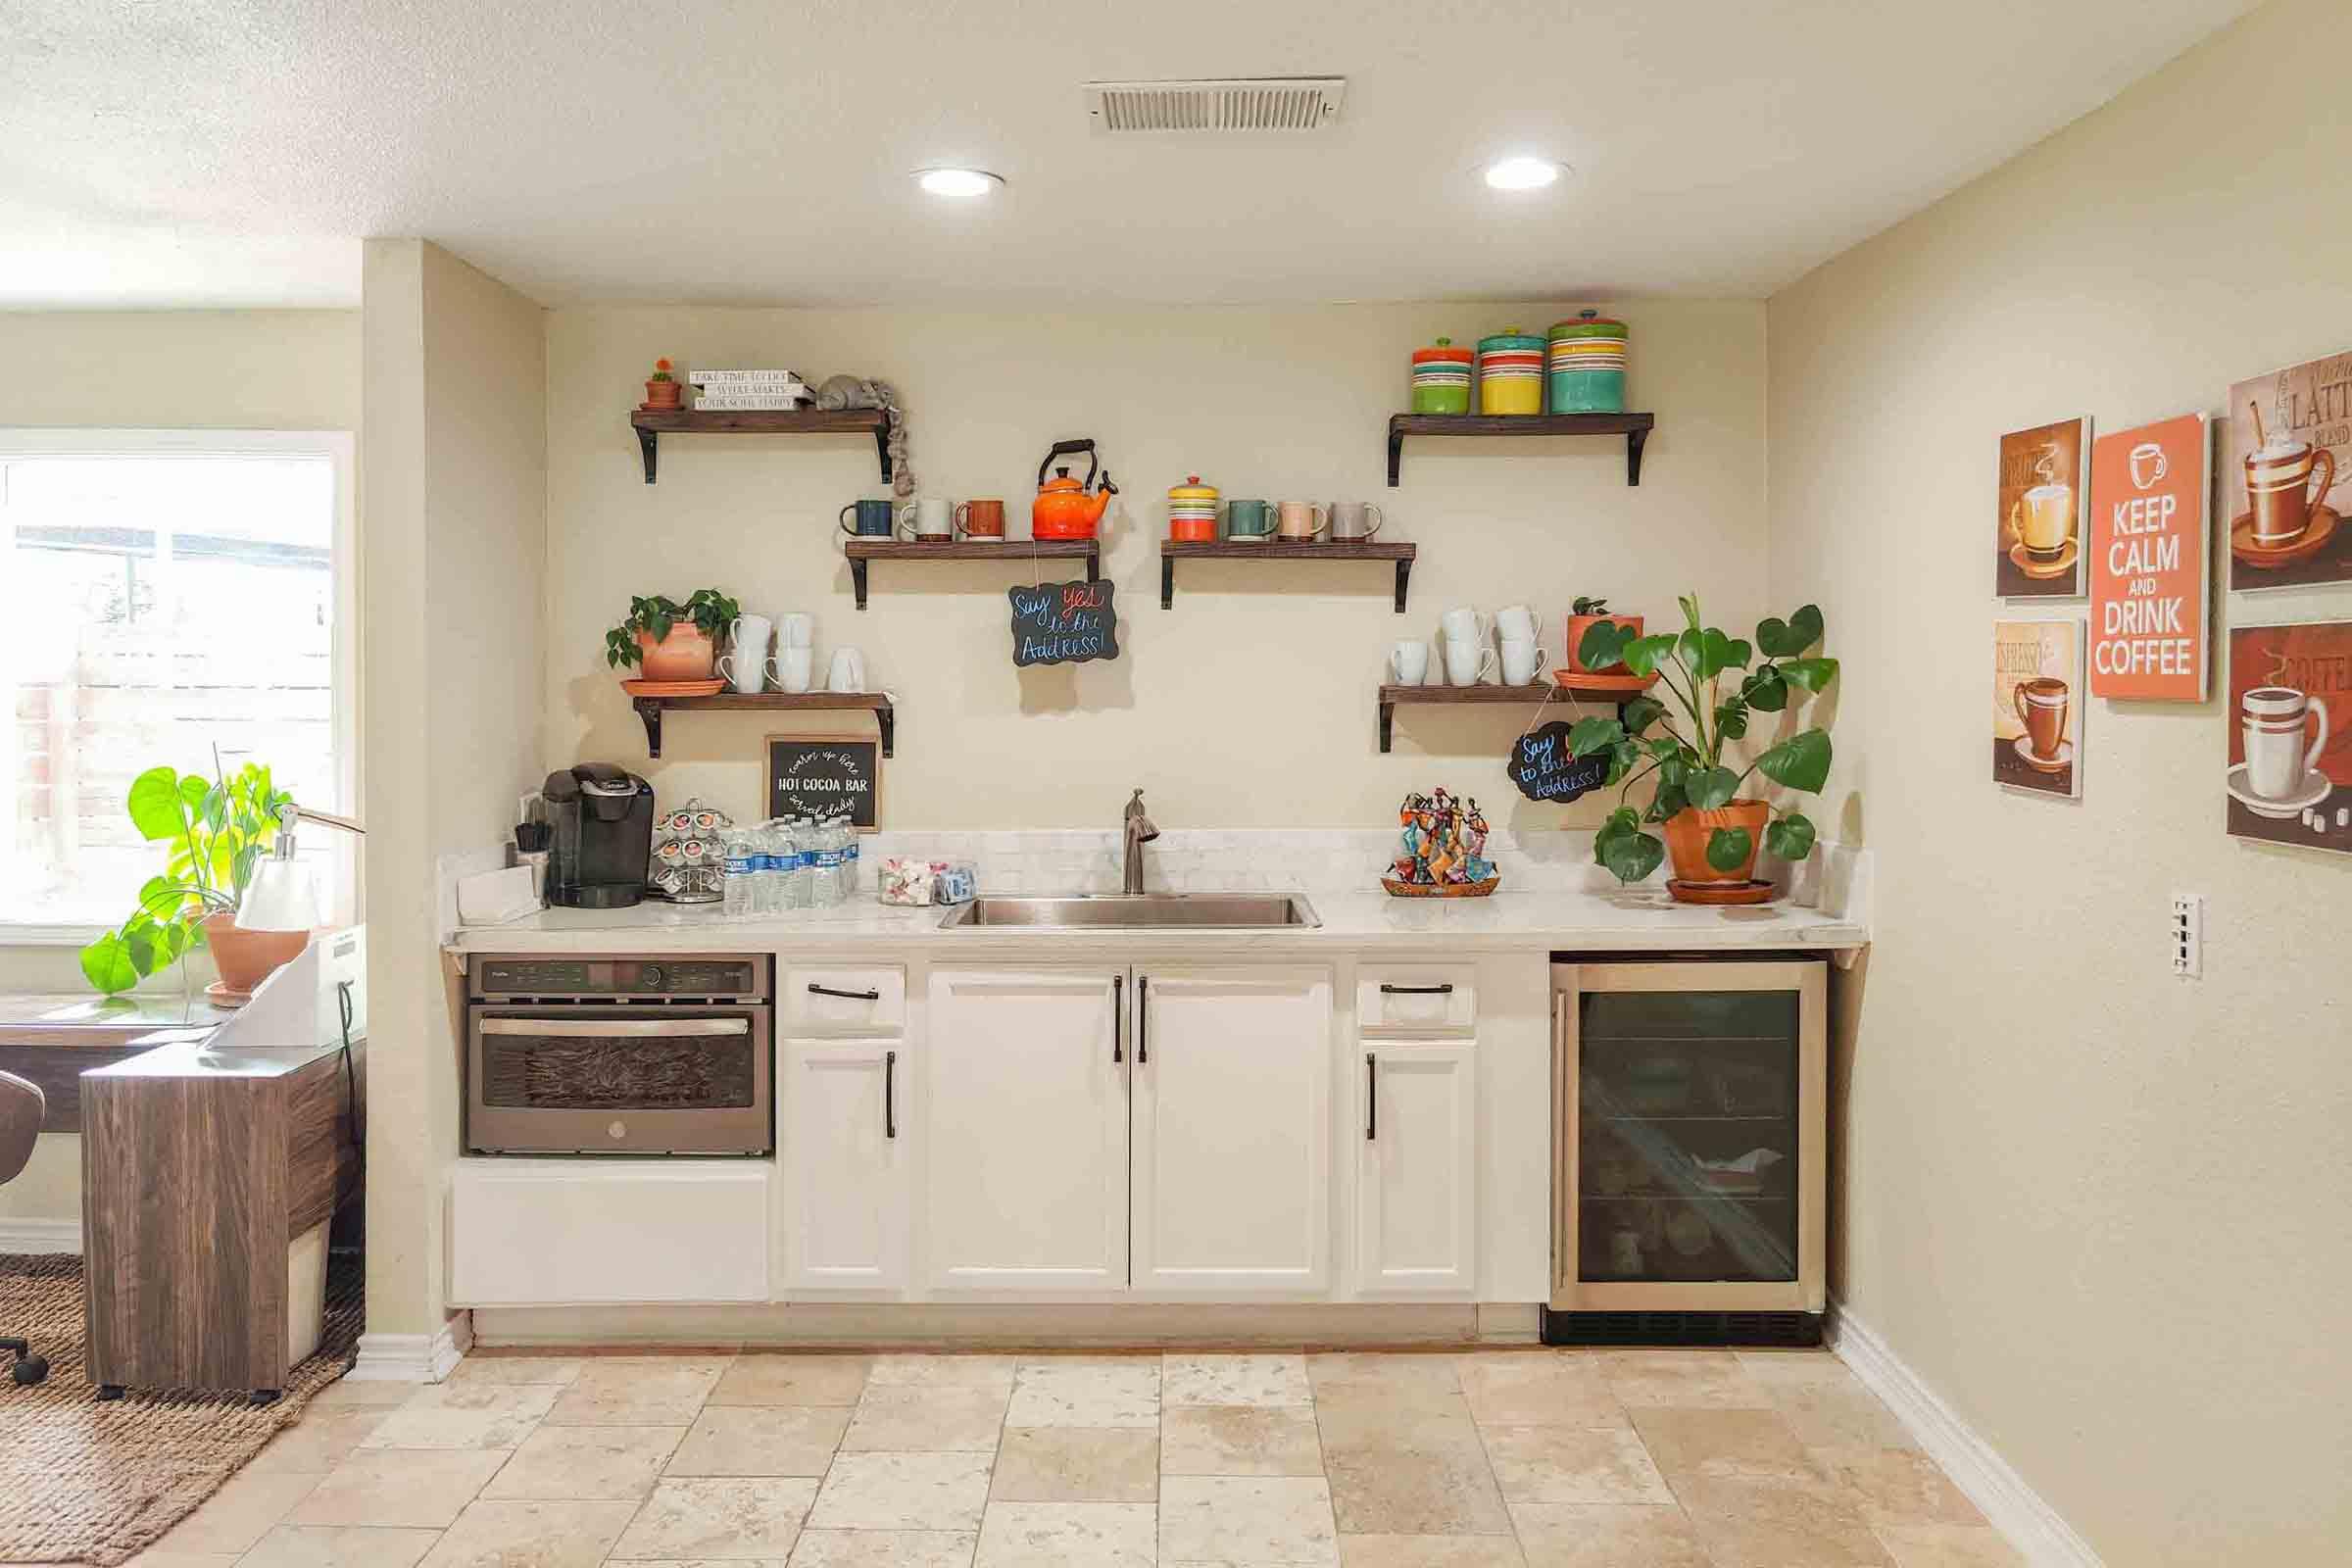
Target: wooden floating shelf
point(1635, 427)
point(1171, 551)
point(1535, 693)
point(650, 709)
point(861, 550)
point(652, 423)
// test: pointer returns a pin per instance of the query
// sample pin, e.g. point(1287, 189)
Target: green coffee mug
point(1250, 519)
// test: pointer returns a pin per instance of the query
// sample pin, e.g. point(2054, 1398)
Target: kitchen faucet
point(1140, 831)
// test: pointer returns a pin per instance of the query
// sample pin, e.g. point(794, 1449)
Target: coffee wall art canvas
point(2150, 605)
point(2286, 476)
point(2037, 706)
point(2037, 541)
point(2290, 734)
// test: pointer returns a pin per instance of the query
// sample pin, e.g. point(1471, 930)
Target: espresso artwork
point(2289, 778)
point(2036, 704)
point(2287, 463)
point(2038, 536)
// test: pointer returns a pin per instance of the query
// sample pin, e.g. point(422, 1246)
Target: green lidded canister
point(1442, 378)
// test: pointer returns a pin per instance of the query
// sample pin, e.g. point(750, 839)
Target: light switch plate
point(2188, 934)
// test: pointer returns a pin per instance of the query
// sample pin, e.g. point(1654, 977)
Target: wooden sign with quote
point(1064, 623)
point(1542, 769)
point(2150, 598)
point(817, 775)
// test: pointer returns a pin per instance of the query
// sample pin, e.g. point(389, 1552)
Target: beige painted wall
point(454, 535)
point(1251, 703)
point(2101, 1209)
point(170, 370)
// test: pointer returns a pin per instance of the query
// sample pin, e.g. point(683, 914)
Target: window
point(170, 592)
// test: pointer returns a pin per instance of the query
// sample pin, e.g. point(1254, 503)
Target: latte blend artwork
point(2289, 777)
point(2286, 476)
point(2150, 594)
point(2036, 704)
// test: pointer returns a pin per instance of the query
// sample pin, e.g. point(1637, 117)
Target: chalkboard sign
point(1543, 771)
point(816, 775)
point(1064, 623)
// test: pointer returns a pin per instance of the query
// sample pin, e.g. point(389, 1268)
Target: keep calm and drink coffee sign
point(2151, 634)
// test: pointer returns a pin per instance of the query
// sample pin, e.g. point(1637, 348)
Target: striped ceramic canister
point(1588, 364)
point(1510, 372)
point(1442, 378)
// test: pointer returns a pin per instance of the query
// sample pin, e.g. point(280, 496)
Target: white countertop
point(1637, 919)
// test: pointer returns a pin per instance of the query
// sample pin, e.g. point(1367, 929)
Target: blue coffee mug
point(873, 519)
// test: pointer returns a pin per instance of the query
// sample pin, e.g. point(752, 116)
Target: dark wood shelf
point(1635, 427)
point(651, 708)
point(651, 424)
point(1171, 551)
point(861, 550)
point(1390, 696)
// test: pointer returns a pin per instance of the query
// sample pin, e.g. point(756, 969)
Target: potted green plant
point(671, 641)
point(1712, 831)
point(1582, 616)
point(217, 830)
point(662, 389)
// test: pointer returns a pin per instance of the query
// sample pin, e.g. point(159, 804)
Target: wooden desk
point(54, 1037)
point(209, 1177)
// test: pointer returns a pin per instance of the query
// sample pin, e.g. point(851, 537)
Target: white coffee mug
point(1515, 623)
point(792, 667)
point(1435, 664)
point(927, 519)
point(747, 652)
point(2274, 721)
point(1409, 660)
point(1465, 625)
point(796, 629)
point(1467, 662)
point(1521, 658)
point(847, 672)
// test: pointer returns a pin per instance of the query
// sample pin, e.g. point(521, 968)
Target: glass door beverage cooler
point(1690, 1098)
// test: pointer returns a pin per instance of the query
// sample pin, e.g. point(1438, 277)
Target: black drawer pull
point(1371, 1098)
point(1119, 1006)
point(890, 1096)
point(816, 990)
point(1143, 1019)
point(1445, 990)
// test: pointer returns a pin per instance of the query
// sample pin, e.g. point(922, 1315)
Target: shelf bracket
point(1404, 574)
point(1388, 723)
point(649, 709)
point(1633, 455)
point(645, 447)
point(1395, 454)
point(886, 719)
point(1167, 582)
point(1094, 562)
point(882, 450)
point(857, 580)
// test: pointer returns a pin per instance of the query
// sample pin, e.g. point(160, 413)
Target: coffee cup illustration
point(2275, 720)
point(2042, 520)
point(2042, 705)
point(2285, 479)
point(2148, 464)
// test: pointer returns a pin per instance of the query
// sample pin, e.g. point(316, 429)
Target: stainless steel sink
point(1140, 912)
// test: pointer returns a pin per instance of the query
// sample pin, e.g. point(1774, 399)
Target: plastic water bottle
point(848, 858)
point(736, 844)
point(800, 891)
point(770, 898)
point(828, 862)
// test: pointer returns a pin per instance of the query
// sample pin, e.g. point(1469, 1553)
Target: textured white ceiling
point(229, 152)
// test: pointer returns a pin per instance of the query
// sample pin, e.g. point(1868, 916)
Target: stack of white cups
point(796, 636)
point(1469, 653)
point(1522, 654)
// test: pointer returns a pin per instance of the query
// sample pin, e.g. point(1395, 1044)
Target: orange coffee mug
point(980, 519)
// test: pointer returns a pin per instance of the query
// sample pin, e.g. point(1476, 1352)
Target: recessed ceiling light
point(957, 181)
point(1522, 174)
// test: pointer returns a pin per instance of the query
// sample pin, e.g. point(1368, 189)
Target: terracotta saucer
point(2043, 572)
point(2313, 540)
point(673, 688)
point(224, 995)
point(1722, 891)
point(1626, 685)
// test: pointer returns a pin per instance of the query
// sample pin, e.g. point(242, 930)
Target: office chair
point(21, 1106)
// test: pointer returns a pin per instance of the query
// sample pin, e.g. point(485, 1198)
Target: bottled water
point(771, 871)
point(799, 892)
point(848, 858)
point(736, 844)
point(829, 862)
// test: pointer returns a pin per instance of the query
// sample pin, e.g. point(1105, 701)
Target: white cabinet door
point(1232, 1129)
point(1416, 1191)
point(1025, 1131)
point(846, 1164)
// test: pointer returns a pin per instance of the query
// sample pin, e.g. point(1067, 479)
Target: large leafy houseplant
point(651, 619)
point(1682, 746)
point(217, 829)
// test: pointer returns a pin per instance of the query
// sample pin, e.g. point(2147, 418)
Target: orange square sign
point(2151, 632)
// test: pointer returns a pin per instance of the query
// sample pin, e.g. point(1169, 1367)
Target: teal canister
point(1588, 364)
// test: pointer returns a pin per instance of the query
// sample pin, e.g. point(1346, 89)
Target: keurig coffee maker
point(604, 821)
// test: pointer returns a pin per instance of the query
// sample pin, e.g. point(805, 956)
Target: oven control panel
point(679, 975)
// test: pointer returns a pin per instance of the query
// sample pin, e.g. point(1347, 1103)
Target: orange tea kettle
point(1066, 508)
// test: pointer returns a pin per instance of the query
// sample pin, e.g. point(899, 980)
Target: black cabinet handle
point(1118, 1004)
point(1143, 1019)
point(816, 990)
point(1445, 990)
point(889, 1094)
point(1371, 1098)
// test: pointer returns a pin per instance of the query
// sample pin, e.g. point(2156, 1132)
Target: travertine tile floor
point(1490, 1460)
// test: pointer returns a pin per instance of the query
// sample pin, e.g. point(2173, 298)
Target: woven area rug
point(86, 1482)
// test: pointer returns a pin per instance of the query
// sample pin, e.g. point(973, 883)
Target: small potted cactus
point(662, 391)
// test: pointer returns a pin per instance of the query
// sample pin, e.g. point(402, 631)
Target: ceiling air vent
point(1237, 103)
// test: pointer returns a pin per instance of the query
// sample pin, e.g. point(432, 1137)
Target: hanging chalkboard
point(1543, 771)
point(817, 775)
point(1064, 623)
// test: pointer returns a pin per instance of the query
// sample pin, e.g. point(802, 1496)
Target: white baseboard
point(2011, 1506)
point(414, 1357)
point(40, 1236)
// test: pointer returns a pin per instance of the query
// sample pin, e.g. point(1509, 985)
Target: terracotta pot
point(685, 654)
point(663, 395)
point(246, 958)
point(1689, 829)
point(1578, 625)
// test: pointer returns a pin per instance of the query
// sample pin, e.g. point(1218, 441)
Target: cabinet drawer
point(566, 1232)
point(1419, 998)
point(846, 1001)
